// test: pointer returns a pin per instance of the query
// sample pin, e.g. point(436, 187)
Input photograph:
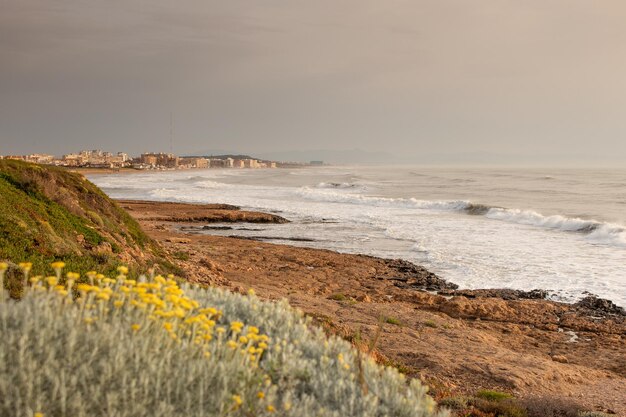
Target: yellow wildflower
point(38, 415)
point(3, 266)
point(122, 270)
point(263, 345)
point(118, 303)
point(251, 292)
point(260, 395)
point(57, 265)
point(73, 276)
point(103, 296)
point(51, 281)
point(232, 344)
point(237, 399)
point(135, 327)
point(84, 287)
point(243, 340)
point(25, 266)
point(270, 408)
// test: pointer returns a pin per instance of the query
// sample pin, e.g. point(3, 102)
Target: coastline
point(457, 342)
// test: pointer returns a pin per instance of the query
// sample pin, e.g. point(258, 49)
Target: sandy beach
point(456, 341)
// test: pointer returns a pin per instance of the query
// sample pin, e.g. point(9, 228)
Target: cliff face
point(48, 214)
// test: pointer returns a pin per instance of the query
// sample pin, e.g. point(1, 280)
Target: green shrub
point(393, 320)
point(131, 348)
point(491, 395)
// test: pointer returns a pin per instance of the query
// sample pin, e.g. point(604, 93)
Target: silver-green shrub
point(88, 358)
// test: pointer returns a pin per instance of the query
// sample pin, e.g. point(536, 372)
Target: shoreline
point(458, 341)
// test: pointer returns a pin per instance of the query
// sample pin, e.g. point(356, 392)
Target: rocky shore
point(456, 340)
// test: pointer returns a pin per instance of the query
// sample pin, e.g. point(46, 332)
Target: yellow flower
point(103, 296)
point(253, 329)
point(73, 276)
point(251, 292)
point(122, 270)
point(232, 344)
point(84, 287)
point(270, 408)
point(118, 303)
point(57, 265)
point(243, 340)
point(38, 415)
point(220, 330)
point(260, 395)
point(135, 327)
point(168, 326)
point(89, 320)
point(3, 266)
point(263, 345)
point(25, 266)
point(237, 399)
point(51, 281)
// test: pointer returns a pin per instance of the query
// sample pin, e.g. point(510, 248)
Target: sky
point(457, 80)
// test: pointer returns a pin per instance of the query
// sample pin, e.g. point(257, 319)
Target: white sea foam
point(597, 232)
point(371, 211)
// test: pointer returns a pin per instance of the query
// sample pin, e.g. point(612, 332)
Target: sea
point(562, 230)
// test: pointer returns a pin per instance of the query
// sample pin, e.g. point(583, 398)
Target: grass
point(491, 395)
point(393, 320)
point(181, 255)
point(430, 323)
point(48, 214)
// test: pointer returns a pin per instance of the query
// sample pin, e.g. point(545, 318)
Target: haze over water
point(556, 229)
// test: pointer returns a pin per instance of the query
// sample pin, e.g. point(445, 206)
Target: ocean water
point(560, 230)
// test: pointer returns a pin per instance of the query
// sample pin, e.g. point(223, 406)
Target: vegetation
point(393, 320)
point(147, 347)
point(491, 395)
point(48, 214)
point(338, 297)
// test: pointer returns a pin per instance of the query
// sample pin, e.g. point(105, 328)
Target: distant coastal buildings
point(152, 160)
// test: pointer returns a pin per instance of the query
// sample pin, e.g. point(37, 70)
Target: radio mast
point(171, 132)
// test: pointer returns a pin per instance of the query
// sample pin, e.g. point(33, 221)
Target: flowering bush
point(100, 346)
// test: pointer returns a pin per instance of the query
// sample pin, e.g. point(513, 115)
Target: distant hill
point(49, 213)
point(345, 156)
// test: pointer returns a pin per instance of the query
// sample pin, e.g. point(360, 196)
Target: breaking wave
point(595, 231)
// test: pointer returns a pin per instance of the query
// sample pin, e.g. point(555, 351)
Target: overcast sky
point(410, 77)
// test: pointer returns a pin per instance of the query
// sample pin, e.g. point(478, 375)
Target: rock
point(103, 248)
point(213, 266)
point(364, 298)
point(560, 358)
point(600, 306)
point(178, 240)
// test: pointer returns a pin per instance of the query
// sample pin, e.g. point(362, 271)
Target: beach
point(457, 341)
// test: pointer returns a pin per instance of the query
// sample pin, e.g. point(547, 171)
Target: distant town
point(153, 161)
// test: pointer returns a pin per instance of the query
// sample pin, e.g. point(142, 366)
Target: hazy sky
point(544, 77)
